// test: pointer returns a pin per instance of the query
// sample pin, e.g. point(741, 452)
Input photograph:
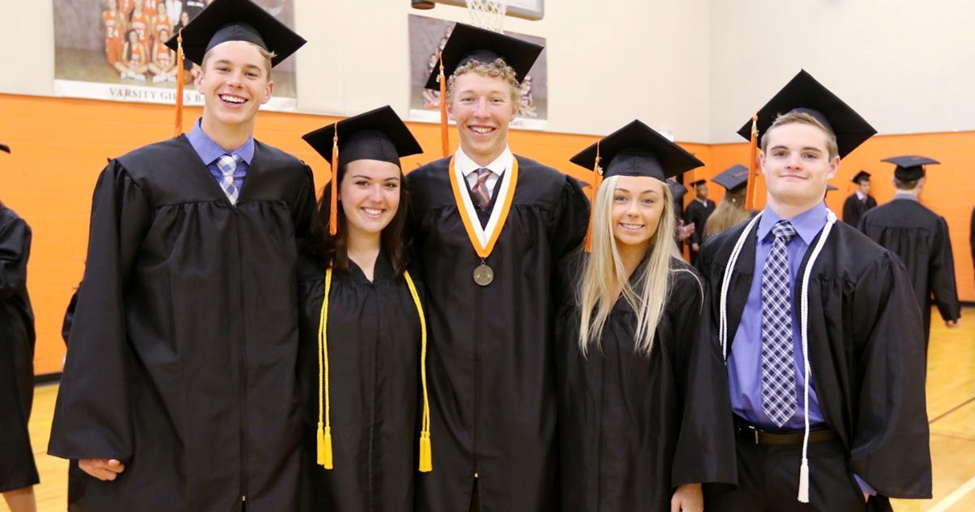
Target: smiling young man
point(179, 387)
point(823, 339)
point(489, 227)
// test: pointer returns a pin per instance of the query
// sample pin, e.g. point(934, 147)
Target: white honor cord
point(804, 324)
point(804, 328)
point(726, 282)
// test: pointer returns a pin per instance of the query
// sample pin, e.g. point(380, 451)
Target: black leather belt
point(760, 435)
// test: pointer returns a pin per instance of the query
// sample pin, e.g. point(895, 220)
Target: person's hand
point(687, 498)
point(951, 324)
point(695, 247)
point(105, 470)
point(684, 231)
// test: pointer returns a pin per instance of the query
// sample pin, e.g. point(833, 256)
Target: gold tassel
point(179, 83)
point(444, 134)
point(325, 455)
point(426, 454)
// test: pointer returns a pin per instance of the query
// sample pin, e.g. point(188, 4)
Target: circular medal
point(483, 275)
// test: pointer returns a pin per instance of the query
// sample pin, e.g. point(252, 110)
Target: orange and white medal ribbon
point(484, 238)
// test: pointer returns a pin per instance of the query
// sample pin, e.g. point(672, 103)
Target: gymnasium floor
point(951, 410)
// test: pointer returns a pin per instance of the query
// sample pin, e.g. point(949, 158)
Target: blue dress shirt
point(209, 151)
point(745, 361)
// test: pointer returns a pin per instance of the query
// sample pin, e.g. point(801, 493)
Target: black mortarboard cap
point(5, 148)
point(861, 176)
point(910, 167)
point(638, 150)
point(676, 189)
point(698, 183)
point(830, 188)
point(375, 135)
point(804, 94)
point(468, 43)
point(236, 20)
point(732, 178)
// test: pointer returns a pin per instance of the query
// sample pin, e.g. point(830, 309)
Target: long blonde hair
point(604, 268)
point(730, 212)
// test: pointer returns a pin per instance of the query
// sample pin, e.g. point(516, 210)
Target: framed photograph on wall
point(113, 50)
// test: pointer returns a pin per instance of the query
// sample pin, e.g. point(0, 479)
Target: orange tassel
point(597, 181)
point(444, 134)
point(752, 165)
point(179, 83)
point(333, 213)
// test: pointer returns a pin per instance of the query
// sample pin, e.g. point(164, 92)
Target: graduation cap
point(375, 135)
point(861, 176)
point(469, 43)
point(676, 189)
point(637, 150)
point(634, 150)
point(830, 188)
point(804, 94)
point(910, 167)
point(379, 134)
point(698, 183)
point(732, 178)
point(236, 20)
point(5, 148)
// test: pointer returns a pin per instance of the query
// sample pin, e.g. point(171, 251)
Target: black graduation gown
point(373, 354)
point(492, 387)
point(631, 428)
point(17, 338)
point(919, 237)
point(865, 348)
point(182, 356)
point(76, 477)
point(698, 214)
point(854, 208)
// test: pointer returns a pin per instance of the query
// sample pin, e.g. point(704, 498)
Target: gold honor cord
point(324, 434)
point(426, 452)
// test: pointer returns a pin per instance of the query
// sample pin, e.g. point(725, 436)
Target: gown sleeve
point(15, 239)
point(571, 221)
point(942, 275)
point(850, 212)
point(889, 448)
point(304, 207)
point(92, 416)
point(705, 449)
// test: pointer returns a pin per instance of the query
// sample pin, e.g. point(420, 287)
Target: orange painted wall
point(60, 146)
